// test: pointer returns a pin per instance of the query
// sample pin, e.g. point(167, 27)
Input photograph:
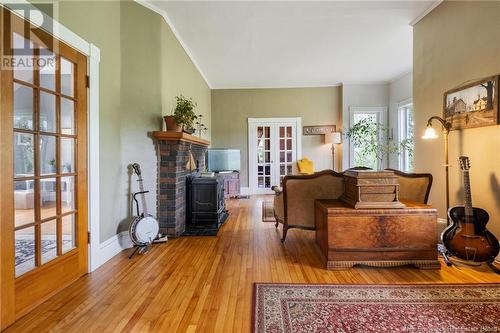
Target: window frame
point(403, 107)
point(381, 113)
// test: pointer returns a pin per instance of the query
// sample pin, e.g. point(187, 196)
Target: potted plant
point(183, 117)
point(171, 124)
point(372, 144)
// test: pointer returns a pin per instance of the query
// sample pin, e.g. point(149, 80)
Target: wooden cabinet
point(231, 183)
point(376, 237)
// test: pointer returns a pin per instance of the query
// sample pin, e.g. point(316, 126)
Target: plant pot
point(171, 124)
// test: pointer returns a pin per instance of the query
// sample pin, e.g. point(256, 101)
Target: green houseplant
point(183, 116)
point(372, 144)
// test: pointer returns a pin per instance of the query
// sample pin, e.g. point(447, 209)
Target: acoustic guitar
point(467, 237)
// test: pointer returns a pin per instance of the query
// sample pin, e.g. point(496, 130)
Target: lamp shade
point(430, 133)
point(334, 137)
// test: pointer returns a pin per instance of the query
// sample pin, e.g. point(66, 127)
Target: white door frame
point(380, 111)
point(252, 153)
point(93, 56)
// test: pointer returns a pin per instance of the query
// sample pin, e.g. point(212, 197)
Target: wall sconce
point(334, 138)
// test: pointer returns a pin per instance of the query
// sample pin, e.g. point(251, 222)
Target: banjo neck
point(137, 170)
point(143, 196)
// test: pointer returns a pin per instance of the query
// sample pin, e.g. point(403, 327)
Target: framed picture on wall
point(472, 105)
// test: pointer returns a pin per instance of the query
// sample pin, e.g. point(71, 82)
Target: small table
point(376, 237)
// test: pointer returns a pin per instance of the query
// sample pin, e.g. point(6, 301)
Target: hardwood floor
point(204, 284)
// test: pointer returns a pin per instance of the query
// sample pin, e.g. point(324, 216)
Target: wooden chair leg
point(285, 229)
point(277, 221)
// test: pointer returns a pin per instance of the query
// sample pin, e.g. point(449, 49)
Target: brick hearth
point(173, 151)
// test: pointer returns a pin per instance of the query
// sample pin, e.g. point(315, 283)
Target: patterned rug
point(268, 211)
point(378, 308)
point(25, 249)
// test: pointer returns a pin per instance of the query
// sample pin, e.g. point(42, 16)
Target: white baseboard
point(112, 246)
point(245, 191)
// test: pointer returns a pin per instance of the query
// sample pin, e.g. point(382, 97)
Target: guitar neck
point(143, 197)
point(467, 195)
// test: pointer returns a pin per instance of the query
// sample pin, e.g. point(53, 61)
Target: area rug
point(382, 308)
point(268, 211)
point(25, 249)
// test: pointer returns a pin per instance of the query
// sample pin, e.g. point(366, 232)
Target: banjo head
point(144, 230)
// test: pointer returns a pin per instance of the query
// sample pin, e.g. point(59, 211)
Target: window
point(406, 132)
point(367, 151)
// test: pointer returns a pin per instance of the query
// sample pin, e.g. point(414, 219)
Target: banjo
point(144, 228)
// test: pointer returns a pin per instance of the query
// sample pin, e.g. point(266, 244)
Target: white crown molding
point(163, 14)
point(364, 83)
point(425, 12)
point(397, 77)
point(276, 87)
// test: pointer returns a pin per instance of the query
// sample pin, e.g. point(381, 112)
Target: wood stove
point(206, 210)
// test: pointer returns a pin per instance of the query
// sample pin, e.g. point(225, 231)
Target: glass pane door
point(286, 151)
point(43, 128)
point(264, 157)
point(44, 154)
point(273, 151)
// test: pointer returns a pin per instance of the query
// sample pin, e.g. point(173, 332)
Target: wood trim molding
point(420, 264)
point(179, 136)
point(416, 175)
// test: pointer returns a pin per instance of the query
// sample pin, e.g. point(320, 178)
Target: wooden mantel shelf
point(179, 136)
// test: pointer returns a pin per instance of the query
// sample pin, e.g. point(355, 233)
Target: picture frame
point(473, 105)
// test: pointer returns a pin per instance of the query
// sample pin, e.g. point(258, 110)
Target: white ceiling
point(295, 44)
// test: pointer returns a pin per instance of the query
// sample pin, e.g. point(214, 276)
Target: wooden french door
point(274, 148)
point(43, 159)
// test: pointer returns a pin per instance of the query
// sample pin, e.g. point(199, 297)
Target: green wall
point(232, 107)
point(455, 43)
point(143, 67)
point(179, 76)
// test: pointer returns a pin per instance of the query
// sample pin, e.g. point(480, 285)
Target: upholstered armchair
point(294, 204)
point(414, 186)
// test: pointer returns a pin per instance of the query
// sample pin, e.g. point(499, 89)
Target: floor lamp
point(334, 138)
point(430, 133)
